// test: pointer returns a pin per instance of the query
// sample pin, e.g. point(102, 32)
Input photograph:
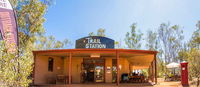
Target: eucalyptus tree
point(170, 38)
point(133, 38)
point(195, 40)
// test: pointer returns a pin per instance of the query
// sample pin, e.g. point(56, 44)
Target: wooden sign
point(95, 42)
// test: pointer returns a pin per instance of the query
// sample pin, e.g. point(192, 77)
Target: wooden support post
point(149, 73)
point(152, 70)
point(117, 56)
point(70, 66)
point(155, 62)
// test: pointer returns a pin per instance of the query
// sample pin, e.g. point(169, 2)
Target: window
point(50, 64)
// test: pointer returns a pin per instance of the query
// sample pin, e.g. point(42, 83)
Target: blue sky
point(73, 19)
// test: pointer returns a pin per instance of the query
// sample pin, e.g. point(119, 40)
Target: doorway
point(93, 70)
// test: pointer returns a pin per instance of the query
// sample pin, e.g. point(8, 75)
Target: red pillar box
point(184, 74)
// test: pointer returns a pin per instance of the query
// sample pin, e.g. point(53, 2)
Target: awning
point(173, 65)
point(138, 59)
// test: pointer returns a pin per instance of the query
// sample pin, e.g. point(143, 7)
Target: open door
point(93, 70)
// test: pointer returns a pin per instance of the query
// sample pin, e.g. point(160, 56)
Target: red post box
point(184, 74)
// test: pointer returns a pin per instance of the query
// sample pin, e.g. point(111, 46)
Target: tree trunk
point(198, 82)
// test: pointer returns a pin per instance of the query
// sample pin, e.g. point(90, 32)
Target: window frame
point(50, 64)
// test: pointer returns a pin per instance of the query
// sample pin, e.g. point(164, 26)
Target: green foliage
point(161, 67)
point(50, 42)
point(118, 45)
point(15, 67)
point(145, 72)
point(30, 21)
point(151, 39)
point(194, 61)
point(133, 38)
point(30, 18)
point(195, 40)
point(91, 34)
point(100, 32)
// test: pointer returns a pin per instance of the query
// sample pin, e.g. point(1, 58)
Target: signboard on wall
point(108, 70)
point(95, 42)
point(8, 27)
